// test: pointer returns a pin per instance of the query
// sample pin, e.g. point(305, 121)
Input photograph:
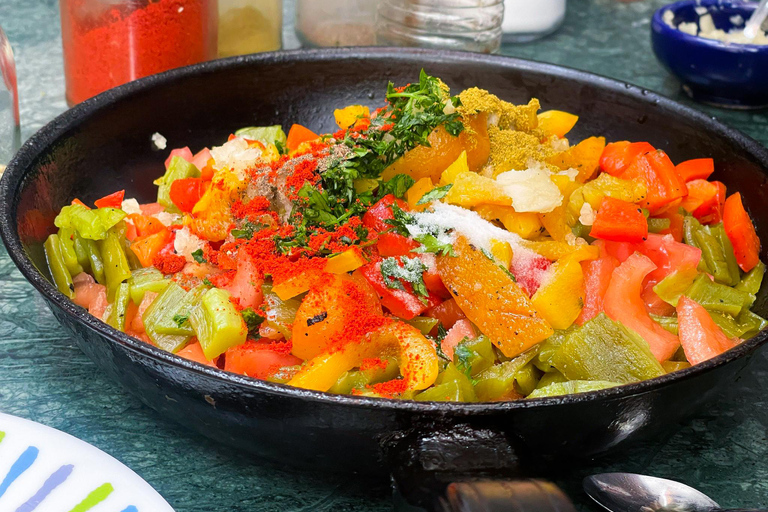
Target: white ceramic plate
point(45, 470)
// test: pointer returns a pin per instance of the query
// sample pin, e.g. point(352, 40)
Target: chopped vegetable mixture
point(439, 248)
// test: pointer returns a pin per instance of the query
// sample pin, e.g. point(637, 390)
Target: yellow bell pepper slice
point(557, 122)
point(502, 252)
point(584, 157)
point(594, 191)
point(556, 221)
point(470, 189)
point(347, 261)
point(459, 166)
point(560, 299)
point(417, 357)
point(348, 116)
point(417, 191)
point(554, 250)
point(525, 224)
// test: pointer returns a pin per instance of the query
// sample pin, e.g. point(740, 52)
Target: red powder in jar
point(106, 48)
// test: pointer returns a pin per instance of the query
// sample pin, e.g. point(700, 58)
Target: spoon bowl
point(631, 492)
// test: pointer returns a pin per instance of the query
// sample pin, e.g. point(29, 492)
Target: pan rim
point(37, 145)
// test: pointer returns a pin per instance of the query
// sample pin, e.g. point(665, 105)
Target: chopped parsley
point(502, 267)
point(464, 356)
point(395, 271)
point(180, 320)
point(252, 321)
point(198, 256)
point(441, 332)
point(435, 194)
point(248, 229)
point(397, 186)
point(430, 243)
point(207, 282)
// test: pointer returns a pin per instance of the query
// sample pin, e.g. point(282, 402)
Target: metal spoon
point(756, 20)
point(629, 492)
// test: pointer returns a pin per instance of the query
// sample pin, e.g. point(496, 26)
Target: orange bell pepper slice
point(696, 169)
point(663, 183)
point(619, 221)
point(146, 248)
point(298, 134)
point(114, 200)
point(741, 232)
point(618, 156)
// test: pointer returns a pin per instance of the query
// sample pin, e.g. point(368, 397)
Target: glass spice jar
point(250, 26)
point(336, 22)
point(472, 25)
point(526, 21)
point(110, 42)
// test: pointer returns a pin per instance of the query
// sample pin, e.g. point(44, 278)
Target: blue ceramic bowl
point(724, 74)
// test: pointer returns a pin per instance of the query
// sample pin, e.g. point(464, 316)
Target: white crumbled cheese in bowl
point(705, 28)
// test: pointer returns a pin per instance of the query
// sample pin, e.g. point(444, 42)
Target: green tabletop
point(44, 377)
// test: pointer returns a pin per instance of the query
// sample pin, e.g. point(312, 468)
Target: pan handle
point(505, 496)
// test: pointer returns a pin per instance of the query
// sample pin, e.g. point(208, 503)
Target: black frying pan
point(104, 144)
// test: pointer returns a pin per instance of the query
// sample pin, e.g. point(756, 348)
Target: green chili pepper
point(159, 309)
point(718, 297)
point(658, 225)
point(667, 322)
point(548, 348)
point(571, 387)
point(176, 319)
point(527, 378)
point(280, 313)
point(474, 356)
point(672, 287)
point(95, 263)
point(68, 252)
point(673, 366)
point(717, 256)
point(359, 379)
point(145, 280)
point(604, 350)
point(551, 377)
point(59, 272)
point(752, 280)
point(424, 324)
point(217, 323)
point(499, 380)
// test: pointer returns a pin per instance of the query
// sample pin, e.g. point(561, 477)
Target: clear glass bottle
point(472, 25)
point(527, 20)
point(250, 26)
point(336, 22)
point(110, 42)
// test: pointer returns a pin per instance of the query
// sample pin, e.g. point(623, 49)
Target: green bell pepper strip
point(604, 350)
point(672, 287)
point(116, 317)
point(474, 356)
point(176, 320)
point(159, 309)
point(217, 323)
point(499, 380)
point(658, 225)
point(59, 272)
point(667, 322)
point(116, 268)
point(527, 378)
point(264, 134)
point(359, 379)
point(280, 313)
point(571, 387)
point(452, 385)
point(673, 366)
point(717, 256)
point(68, 252)
point(178, 168)
point(82, 252)
point(92, 224)
point(145, 280)
point(424, 324)
point(548, 348)
point(551, 377)
point(718, 297)
point(95, 262)
point(752, 280)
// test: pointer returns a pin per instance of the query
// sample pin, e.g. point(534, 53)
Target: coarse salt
point(130, 206)
point(531, 190)
point(186, 242)
point(236, 155)
point(159, 141)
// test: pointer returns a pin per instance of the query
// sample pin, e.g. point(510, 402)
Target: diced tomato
point(619, 221)
point(661, 178)
point(98, 303)
point(184, 153)
point(257, 359)
point(619, 250)
point(623, 303)
point(87, 291)
point(696, 169)
point(186, 192)
point(431, 276)
point(460, 330)
point(194, 352)
point(151, 208)
point(700, 336)
point(146, 301)
point(655, 305)
point(597, 277)
point(668, 256)
point(130, 315)
point(394, 244)
point(145, 225)
point(200, 160)
point(246, 285)
point(114, 200)
point(529, 272)
point(447, 312)
point(298, 134)
point(403, 303)
point(377, 215)
point(617, 156)
point(741, 232)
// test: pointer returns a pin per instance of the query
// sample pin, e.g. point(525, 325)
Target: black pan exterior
point(104, 144)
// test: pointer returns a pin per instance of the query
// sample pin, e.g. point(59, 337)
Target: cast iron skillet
point(104, 144)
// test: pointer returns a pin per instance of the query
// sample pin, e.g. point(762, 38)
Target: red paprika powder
point(107, 44)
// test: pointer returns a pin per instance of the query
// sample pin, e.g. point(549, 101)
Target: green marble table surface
point(44, 377)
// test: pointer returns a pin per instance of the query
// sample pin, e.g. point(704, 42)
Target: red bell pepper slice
point(447, 312)
point(377, 215)
point(708, 197)
point(298, 134)
point(741, 232)
point(186, 192)
point(661, 178)
point(619, 221)
point(402, 303)
point(597, 277)
point(114, 200)
point(618, 156)
point(394, 244)
point(696, 169)
point(258, 359)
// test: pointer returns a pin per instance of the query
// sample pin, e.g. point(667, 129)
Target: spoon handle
point(744, 510)
point(756, 20)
